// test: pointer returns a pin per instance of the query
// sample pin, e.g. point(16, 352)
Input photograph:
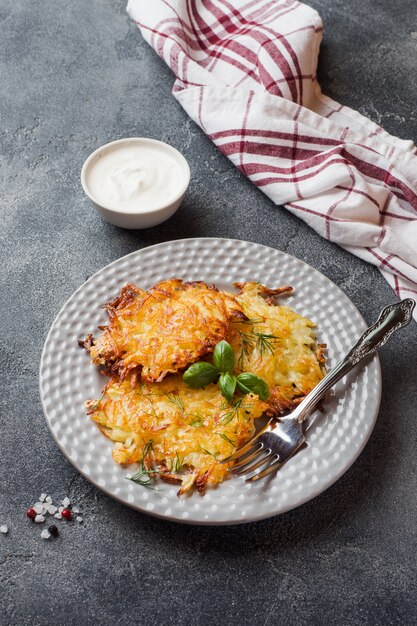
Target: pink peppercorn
point(67, 514)
point(31, 513)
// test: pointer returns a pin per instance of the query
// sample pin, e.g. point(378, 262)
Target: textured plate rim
point(252, 518)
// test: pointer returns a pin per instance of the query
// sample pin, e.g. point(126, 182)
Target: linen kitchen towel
point(246, 74)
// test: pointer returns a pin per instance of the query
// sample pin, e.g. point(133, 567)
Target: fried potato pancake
point(277, 344)
point(176, 432)
point(159, 332)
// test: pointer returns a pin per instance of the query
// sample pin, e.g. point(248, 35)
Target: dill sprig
point(255, 320)
point(152, 412)
point(247, 340)
point(265, 342)
point(143, 476)
point(213, 454)
point(234, 410)
point(93, 407)
point(177, 464)
point(198, 420)
point(247, 344)
point(175, 399)
point(226, 438)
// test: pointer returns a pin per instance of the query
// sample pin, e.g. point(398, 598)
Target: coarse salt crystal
point(61, 508)
point(66, 502)
point(39, 518)
point(42, 497)
point(75, 509)
point(39, 508)
point(45, 534)
point(79, 519)
point(48, 499)
point(51, 509)
point(58, 516)
point(4, 529)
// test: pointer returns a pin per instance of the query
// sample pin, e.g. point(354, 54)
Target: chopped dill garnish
point(174, 398)
point(213, 454)
point(234, 410)
point(247, 344)
point(176, 464)
point(247, 340)
point(198, 422)
point(143, 476)
point(147, 450)
point(255, 320)
point(93, 407)
point(265, 342)
point(226, 438)
point(152, 412)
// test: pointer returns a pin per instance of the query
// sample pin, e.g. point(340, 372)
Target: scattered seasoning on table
point(67, 514)
point(4, 529)
point(53, 530)
point(31, 513)
point(44, 507)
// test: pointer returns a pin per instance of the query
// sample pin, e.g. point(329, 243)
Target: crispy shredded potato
point(278, 345)
point(184, 432)
point(161, 331)
point(178, 433)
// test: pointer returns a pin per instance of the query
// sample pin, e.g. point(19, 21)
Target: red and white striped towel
point(246, 74)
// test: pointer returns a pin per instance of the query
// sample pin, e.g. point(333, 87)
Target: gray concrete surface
point(73, 76)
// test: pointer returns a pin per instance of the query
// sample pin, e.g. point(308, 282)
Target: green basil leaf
point(200, 375)
point(227, 385)
point(247, 383)
point(242, 388)
point(224, 357)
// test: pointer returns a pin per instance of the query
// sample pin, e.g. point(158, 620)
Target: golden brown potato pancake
point(277, 344)
point(182, 432)
point(161, 331)
point(179, 433)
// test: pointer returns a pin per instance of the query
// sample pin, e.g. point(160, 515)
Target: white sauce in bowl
point(135, 176)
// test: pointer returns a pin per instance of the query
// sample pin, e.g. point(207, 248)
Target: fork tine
point(271, 468)
point(251, 454)
point(246, 448)
point(254, 466)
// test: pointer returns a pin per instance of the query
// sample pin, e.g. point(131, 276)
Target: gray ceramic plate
point(335, 439)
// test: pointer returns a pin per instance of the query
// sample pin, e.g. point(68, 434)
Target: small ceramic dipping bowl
point(136, 182)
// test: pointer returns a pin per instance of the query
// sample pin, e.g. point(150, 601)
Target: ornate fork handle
point(393, 317)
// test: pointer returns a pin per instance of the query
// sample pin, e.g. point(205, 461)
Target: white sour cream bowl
point(136, 182)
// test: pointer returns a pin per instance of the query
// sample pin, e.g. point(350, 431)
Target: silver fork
point(277, 442)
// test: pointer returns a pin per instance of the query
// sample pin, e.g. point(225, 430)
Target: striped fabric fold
point(246, 74)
